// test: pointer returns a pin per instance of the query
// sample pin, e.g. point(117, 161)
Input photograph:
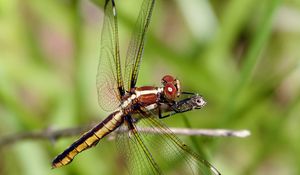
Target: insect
point(137, 107)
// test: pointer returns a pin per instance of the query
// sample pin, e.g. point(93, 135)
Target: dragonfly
point(134, 108)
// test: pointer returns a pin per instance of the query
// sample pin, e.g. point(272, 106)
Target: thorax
point(145, 96)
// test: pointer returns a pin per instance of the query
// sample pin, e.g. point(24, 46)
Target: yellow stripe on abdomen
point(89, 139)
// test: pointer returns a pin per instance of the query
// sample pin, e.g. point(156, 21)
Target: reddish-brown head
point(171, 87)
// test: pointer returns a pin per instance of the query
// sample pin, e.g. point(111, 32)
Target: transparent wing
point(167, 151)
point(109, 80)
point(134, 152)
point(136, 45)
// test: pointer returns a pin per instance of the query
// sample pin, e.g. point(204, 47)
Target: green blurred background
point(243, 56)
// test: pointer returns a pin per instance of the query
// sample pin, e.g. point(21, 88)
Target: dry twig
point(53, 135)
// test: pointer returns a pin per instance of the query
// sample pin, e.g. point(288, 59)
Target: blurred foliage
point(242, 56)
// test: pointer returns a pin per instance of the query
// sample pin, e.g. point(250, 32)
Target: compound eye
point(167, 79)
point(170, 91)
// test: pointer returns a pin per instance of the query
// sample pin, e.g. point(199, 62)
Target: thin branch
point(47, 134)
point(53, 135)
point(203, 132)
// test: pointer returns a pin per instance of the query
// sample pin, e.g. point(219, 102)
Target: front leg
point(185, 105)
point(159, 110)
point(189, 93)
point(170, 107)
point(168, 115)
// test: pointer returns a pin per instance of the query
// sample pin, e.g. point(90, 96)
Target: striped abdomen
point(146, 96)
point(89, 139)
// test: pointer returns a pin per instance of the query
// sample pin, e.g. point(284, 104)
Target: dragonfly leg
point(159, 110)
point(188, 93)
point(173, 111)
point(168, 115)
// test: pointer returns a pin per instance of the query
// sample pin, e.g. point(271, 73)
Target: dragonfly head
point(171, 87)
